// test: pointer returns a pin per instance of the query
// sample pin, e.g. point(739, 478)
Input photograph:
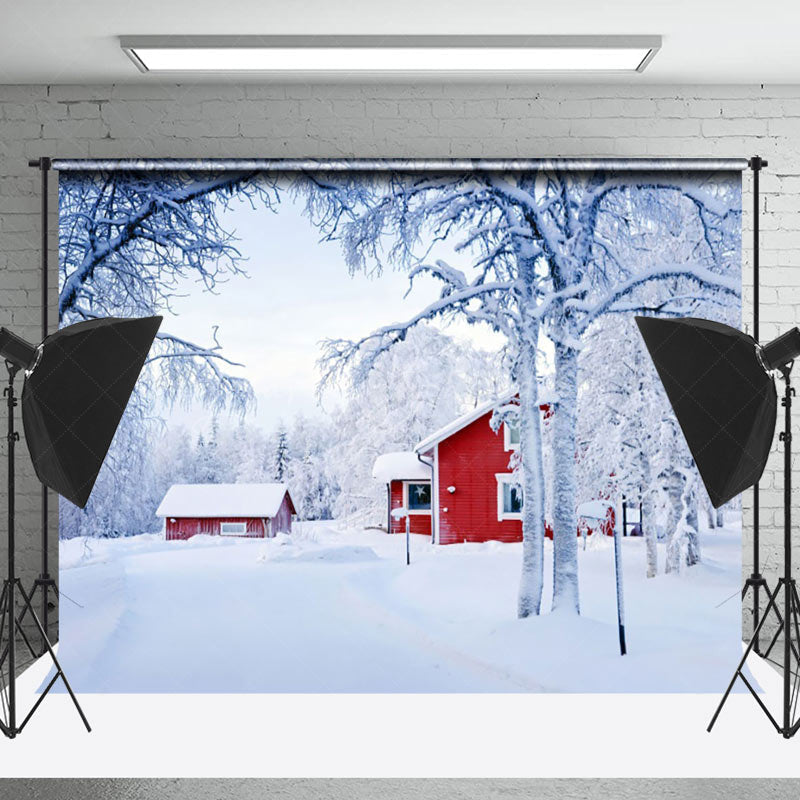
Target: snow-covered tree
point(411, 391)
point(622, 396)
point(128, 244)
point(539, 254)
point(253, 462)
point(311, 483)
point(683, 544)
point(280, 454)
point(123, 501)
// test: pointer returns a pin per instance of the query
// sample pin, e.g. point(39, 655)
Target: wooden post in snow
point(620, 596)
point(399, 513)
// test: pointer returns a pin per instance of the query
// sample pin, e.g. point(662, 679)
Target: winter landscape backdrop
point(317, 320)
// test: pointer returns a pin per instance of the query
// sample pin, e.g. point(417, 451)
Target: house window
point(418, 497)
point(511, 436)
point(232, 528)
point(509, 497)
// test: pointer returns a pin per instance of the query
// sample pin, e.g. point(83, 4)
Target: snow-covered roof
point(461, 422)
point(400, 466)
point(594, 509)
point(222, 500)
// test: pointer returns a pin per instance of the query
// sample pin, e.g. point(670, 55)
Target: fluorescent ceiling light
point(364, 54)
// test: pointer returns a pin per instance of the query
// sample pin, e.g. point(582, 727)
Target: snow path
point(171, 636)
point(415, 635)
point(330, 611)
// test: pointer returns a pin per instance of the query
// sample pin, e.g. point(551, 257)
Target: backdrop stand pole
point(9, 588)
point(45, 583)
point(756, 580)
point(789, 588)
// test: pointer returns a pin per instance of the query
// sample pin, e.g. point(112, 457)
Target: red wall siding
point(282, 522)
point(420, 523)
point(184, 527)
point(469, 460)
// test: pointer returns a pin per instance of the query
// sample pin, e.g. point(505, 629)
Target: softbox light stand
point(721, 385)
point(78, 382)
point(789, 620)
point(11, 624)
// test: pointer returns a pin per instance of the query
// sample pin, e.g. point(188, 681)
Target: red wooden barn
point(258, 510)
point(458, 485)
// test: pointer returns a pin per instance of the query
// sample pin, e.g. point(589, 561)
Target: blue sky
point(297, 292)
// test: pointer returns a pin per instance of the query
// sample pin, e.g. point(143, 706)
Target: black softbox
point(722, 395)
point(74, 397)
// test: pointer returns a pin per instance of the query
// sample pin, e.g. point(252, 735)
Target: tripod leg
point(747, 652)
point(46, 585)
point(24, 636)
point(27, 606)
point(760, 702)
point(3, 684)
point(777, 634)
point(766, 653)
point(796, 686)
point(3, 598)
point(34, 653)
point(50, 650)
point(794, 722)
point(38, 701)
point(796, 622)
point(794, 642)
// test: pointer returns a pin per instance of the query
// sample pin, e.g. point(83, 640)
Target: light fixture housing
point(77, 384)
point(390, 54)
point(719, 383)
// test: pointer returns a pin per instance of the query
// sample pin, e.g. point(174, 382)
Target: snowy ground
point(331, 611)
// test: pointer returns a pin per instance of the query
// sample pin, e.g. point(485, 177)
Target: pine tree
point(281, 454)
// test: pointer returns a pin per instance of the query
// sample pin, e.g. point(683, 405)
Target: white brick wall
point(382, 120)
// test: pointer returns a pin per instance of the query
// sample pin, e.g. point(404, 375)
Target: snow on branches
point(543, 256)
point(128, 245)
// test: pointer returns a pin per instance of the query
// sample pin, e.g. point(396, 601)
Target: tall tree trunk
point(648, 519)
point(531, 580)
point(565, 523)
point(692, 529)
point(674, 557)
point(711, 513)
point(651, 547)
point(683, 546)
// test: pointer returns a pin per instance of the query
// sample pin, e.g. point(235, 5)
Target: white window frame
point(419, 511)
point(507, 443)
point(241, 529)
point(504, 478)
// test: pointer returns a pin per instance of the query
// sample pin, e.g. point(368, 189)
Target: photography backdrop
point(528, 272)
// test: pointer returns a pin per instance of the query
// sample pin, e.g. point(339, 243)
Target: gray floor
point(355, 789)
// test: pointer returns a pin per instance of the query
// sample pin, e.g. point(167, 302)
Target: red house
point(408, 485)
point(458, 485)
point(258, 510)
point(474, 495)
